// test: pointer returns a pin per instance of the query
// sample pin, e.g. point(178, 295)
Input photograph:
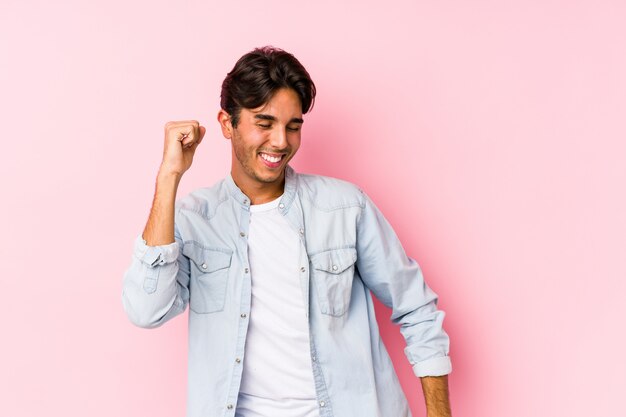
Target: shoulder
point(203, 200)
point(329, 193)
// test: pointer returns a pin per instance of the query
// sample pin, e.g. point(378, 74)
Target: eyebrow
point(273, 119)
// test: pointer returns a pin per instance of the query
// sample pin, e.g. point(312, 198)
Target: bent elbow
point(140, 317)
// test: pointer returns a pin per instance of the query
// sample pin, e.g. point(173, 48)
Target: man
point(277, 269)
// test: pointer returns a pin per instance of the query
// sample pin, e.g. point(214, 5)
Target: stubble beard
point(247, 165)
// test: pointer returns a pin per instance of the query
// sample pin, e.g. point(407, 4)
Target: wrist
point(166, 174)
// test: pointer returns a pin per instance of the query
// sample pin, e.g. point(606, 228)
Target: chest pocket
point(332, 273)
point(208, 279)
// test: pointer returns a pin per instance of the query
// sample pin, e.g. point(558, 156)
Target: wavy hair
point(257, 76)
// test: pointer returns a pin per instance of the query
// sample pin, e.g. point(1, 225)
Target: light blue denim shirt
point(352, 251)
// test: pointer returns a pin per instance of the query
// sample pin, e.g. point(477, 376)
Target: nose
point(278, 139)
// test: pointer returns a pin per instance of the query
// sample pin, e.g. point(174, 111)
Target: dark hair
point(257, 76)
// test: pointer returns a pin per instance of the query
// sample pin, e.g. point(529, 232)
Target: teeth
point(271, 158)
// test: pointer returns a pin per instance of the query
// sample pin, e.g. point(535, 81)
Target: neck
point(259, 192)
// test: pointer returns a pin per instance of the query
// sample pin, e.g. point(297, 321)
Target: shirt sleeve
point(397, 281)
point(156, 284)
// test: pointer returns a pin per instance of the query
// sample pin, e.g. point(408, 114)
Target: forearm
point(150, 291)
point(153, 290)
point(436, 395)
point(159, 229)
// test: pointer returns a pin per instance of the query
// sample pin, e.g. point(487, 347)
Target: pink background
point(490, 133)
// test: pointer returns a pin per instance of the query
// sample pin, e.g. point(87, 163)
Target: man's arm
point(181, 140)
point(436, 396)
point(397, 281)
point(155, 287)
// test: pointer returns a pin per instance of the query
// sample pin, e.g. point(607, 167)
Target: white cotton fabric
point(277, 376)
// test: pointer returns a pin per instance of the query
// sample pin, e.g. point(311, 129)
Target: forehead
point(285, 102)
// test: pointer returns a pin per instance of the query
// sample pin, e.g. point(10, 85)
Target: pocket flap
point(208, 260)
point(334, 261)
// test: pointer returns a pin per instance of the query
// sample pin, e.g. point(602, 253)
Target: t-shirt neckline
point(266, 206)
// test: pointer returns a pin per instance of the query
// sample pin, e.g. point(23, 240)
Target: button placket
point(237, 368)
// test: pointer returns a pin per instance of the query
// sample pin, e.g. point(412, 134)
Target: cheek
point(249, 142)
point(295, 144)
point(256, 139)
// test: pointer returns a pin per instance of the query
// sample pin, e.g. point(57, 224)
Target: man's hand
point(436, 395)
point(181, 140)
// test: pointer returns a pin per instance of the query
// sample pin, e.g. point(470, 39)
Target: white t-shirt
point(277, 373)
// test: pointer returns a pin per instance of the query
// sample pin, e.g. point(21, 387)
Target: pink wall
point(491, 134)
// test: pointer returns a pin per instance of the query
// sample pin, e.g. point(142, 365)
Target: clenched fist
point(181, 140)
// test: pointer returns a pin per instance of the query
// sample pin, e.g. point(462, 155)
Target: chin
point(269, 176)
point(268, 179)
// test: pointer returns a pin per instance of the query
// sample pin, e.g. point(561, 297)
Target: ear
point(224, 119)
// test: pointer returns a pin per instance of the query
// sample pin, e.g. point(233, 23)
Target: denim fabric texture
point(352, 252)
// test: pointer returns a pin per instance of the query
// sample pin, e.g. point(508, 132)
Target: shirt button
point(334, 267)
point(229, 406)
point(322, 403)
point(242, 234)
point(246, 270)
point(204, 266)
point(245, 201)
point(301, 231)
point(281, 205)
point(313, 358)
point(244, 315)
point(238, 360)
point(302, 269)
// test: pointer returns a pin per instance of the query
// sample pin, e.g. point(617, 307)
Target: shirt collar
point(286, 200)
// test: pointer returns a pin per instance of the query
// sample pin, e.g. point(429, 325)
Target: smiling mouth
point(273, 159)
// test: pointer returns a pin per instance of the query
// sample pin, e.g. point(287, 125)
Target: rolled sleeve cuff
point(155, 255)
point(433, 367)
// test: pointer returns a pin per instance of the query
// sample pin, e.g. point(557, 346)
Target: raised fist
point(181, 140)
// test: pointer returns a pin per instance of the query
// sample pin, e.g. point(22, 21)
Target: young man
point(277, 269)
